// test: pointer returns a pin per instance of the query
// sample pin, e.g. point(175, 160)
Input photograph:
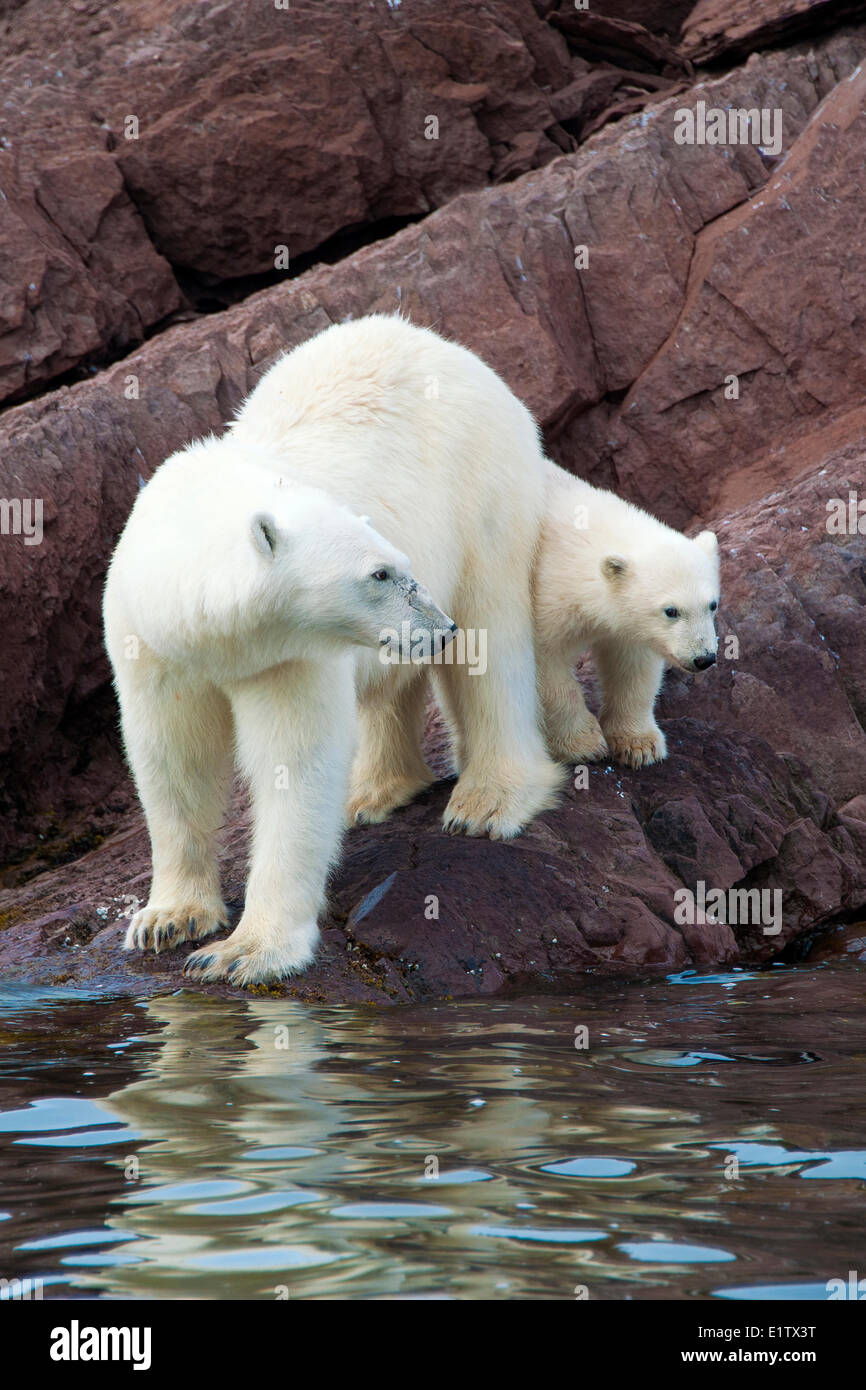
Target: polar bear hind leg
point(389, 768)
point(506, 776)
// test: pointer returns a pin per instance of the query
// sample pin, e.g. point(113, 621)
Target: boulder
point(658, 16)
point(719, 30)
point(764, 340)
point(80, 276)
point(597, 34)
point(223, 141)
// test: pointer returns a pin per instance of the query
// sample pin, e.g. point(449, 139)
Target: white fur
point(393, 421)
point(234, 604)
point(606, 573)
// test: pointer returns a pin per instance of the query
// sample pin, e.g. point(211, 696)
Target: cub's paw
point(370, 803)
point(501, 809)
point(583, 744)
point(163, 928)
point(639, 749)
point(244, 959)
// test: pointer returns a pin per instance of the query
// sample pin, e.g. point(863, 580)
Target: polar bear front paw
point(163, 928)
point(639, 749)
point(585, 743)
point(243, 959)
point(501, 809)
point(370, 803)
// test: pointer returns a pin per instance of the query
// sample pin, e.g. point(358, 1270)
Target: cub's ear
point(708, 542)
point(614, 568)
point(263, 529)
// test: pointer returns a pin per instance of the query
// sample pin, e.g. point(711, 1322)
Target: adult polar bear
point(394, 421)
point(234, 604)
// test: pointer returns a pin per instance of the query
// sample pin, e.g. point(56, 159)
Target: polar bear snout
point(442, 636)
point(429, 615)
point(703, 663)
point(421, 629)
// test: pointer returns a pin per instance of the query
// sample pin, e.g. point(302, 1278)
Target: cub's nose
point(702, 662)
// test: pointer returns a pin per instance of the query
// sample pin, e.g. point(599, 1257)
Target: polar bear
point(419, 433)
point(234, 605)
point(612, 578)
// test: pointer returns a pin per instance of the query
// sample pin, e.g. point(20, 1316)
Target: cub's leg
point(630, 678)
point(506, 774)
point(178, 740)
point(389, 768)
point(295, 731)
point(572, 732)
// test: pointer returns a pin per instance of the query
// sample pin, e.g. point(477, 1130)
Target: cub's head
point(669, 596)
point(327, 572)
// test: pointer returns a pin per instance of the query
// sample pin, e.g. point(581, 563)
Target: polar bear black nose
point(702, 662)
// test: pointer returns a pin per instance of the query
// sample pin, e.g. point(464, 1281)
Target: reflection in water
point(188, 1147)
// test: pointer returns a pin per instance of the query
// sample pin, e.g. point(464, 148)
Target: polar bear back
point(415, 431)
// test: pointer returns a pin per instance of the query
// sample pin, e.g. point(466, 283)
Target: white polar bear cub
point(612, 578)
point(234, 604)
point(394, 421)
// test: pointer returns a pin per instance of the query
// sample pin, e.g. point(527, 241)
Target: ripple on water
point(71, 1238)
point(849, 1163)
point(670, 1252)
point(457, 1177)
point(390, 1211)
point(56, 1113)
point(257, 1203)
point(265, 1260)
point(538, 1235)
point(590, 1168)
point(803, 1292)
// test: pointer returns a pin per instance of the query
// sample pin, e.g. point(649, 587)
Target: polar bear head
point(228, 567)
point(667, 596)
point(332, 575)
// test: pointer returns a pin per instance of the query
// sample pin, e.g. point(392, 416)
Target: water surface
point(701, 1137)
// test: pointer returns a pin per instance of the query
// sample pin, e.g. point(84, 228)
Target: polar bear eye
point(380, 575)
point(714, 605)
point(671, 612)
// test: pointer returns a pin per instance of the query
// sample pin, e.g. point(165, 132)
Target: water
point(188, 1147)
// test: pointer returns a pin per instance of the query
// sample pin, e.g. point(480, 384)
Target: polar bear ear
point(708, 541)
point(263, 529)
point(614, 567)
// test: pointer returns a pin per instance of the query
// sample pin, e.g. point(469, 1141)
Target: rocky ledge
point(707, 360)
